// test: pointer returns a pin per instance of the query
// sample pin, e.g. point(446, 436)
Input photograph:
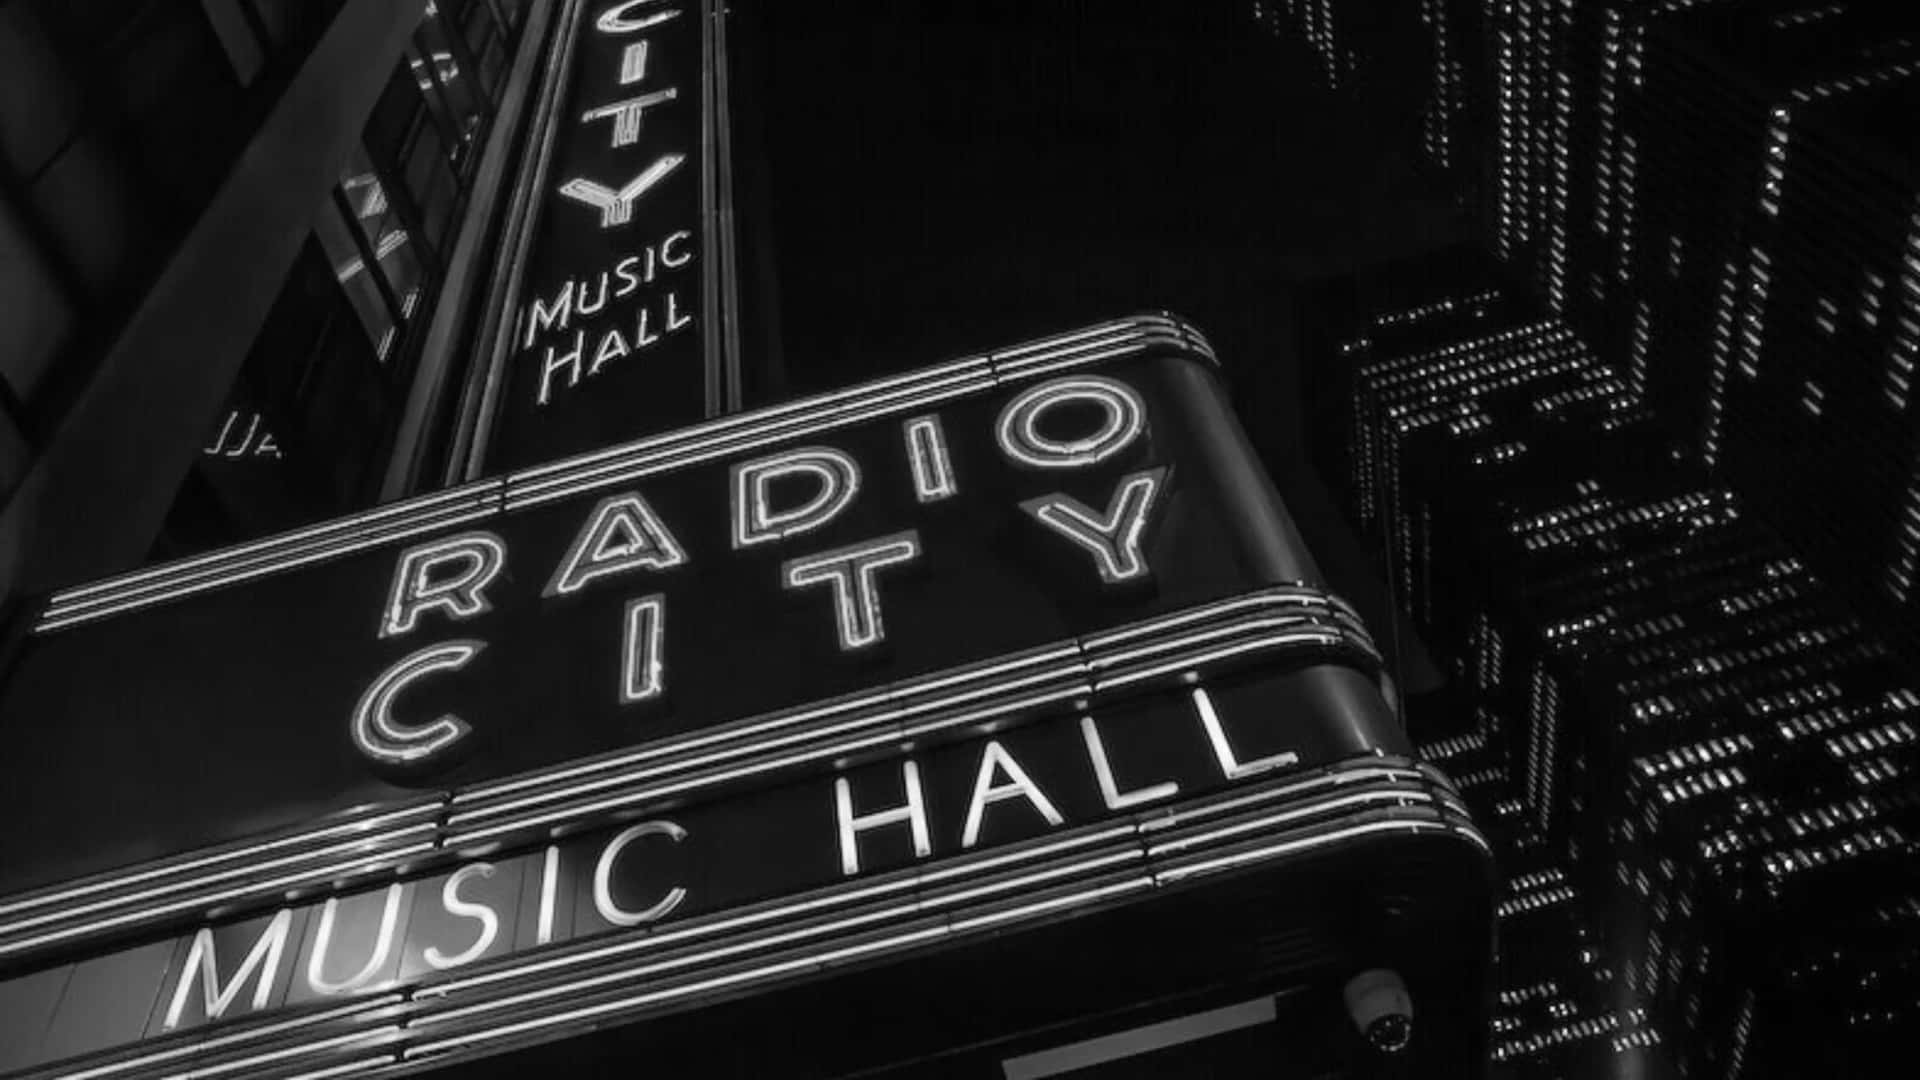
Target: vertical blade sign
point(609, 339)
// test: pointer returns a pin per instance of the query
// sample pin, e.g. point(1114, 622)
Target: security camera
point(1381, 1010)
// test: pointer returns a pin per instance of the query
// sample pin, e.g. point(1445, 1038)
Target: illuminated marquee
point(493, 921)
point(832, 546)
point(943, 656)
point(448, 581)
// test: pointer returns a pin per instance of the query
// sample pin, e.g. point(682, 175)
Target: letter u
point(581, 307)
point(382, 946)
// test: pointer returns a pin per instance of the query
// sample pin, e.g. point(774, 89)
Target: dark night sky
point(943, 178)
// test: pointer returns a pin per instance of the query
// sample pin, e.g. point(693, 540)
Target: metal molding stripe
point(1294, 623)
point(1121, 868)
point(530, 998)
point(287, 553)
point(907, 713)
point(616, 465)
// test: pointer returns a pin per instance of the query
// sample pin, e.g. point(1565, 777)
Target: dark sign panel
point(935, 660)
point(775, 858)
point(825, 548)
point(609, 337)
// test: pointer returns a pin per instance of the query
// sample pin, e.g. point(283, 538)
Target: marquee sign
point(473, 939)
point(826, 548)
point(615, 260)
point(1020, 634)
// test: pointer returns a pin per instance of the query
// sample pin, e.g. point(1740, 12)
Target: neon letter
point(541, 317)
point(549, 890)
point(667, 254)
point(1124, 417)
point(623, 533)
point(1110, 792)
point(754, 519)
point(633, 62)
point(265, 956)
point(616, 206)
point(996, 759)
point(1232, 767)
point(476, 558)
point(643, 666)
point(856, 594)
point(927, 454)
point(603, 874)
point(389, 742)
point(627, 114)
point(914, 813)
point(615, 20)
point(1112, 538)
point(489, 919)
point(382, 945)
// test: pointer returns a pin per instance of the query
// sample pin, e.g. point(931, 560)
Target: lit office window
point(374, 256)
point(481, 22)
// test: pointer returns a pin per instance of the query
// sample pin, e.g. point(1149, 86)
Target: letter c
point(603, 874)
point(379, 736)
point(615, 19)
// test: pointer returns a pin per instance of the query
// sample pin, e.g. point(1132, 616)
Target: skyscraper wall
point(1672, 709)
point(1721, 197)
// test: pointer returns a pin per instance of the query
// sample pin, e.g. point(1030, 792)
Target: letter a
point(622, 534)
point(995, 759)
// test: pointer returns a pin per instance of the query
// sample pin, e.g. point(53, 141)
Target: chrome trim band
point(1294, 624)
point(1264, 827)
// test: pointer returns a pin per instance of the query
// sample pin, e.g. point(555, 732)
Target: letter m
point(541, 317)
point(263, 959)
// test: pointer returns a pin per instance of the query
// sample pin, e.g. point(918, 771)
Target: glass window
point(308, 301)
point(88, 203)
point(493, 65)
point(365, 291)
point(38, 317)
point(13, 456)
point(238, 38)
point(176, 86)
point(427, 76)
point(437, 205)
point(483, 36)
point(381, 230)
point(392, 122)
point(292, 24)
point(40, 107)
point(465, 102)
point(341, 413)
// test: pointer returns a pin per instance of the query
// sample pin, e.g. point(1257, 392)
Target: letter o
point(1123, 418)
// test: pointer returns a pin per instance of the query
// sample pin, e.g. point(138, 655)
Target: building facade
point(520, 681)
point(339, 153)
point(1719, 197)
point(1706, 744)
